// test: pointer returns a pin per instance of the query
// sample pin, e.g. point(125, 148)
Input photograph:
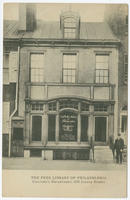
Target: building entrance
point(17, 143)
point(100, 129)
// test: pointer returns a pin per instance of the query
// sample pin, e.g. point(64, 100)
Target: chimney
point(27, 17)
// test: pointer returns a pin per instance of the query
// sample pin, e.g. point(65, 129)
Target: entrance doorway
point(17, 143)
point(100, 129)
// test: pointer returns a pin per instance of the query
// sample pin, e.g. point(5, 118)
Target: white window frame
point(69, 71)
point(70, 28)
point(103, 71)
point(37, 78)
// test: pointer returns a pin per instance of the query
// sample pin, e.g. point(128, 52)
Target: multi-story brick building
point(60, 86)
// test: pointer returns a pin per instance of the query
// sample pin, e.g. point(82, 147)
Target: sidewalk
point(39, 164)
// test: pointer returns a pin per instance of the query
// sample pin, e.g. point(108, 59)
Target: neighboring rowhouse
point(60, 86)
point(117, 17)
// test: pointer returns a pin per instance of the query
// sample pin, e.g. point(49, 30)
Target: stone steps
point(103, 154)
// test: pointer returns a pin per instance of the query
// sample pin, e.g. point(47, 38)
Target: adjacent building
point(60, 86)
point(117, 18)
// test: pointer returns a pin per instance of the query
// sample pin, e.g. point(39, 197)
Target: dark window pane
point(84, 128)
point(51, 127)
point(36, 128)
point(84, 107)
point(124, 124)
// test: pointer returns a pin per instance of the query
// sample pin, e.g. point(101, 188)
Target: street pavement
point(40, 164)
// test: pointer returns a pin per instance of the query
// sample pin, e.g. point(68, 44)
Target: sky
point(52, 11)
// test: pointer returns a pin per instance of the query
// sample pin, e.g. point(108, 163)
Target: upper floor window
point(125, 68)
point(70, 27)
point(6, 68)
point(37, 67)
point(102, 75)
point(69, 68)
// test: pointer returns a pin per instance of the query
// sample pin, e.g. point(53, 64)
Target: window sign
point(68, 126)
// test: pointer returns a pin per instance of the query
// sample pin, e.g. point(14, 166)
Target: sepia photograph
point(65, 99)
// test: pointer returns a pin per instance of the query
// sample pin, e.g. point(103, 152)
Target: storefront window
point(51, 127)
point(84, 128)
point(36, 128)
point(68, 126)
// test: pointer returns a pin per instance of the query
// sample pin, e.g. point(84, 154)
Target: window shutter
point(13, 66)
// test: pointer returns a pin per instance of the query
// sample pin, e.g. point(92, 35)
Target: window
point(124, 124)
point(68, 104)
point(125, 68)
point(84, 128)
point(37, 67)
point(69, 27)
point(52, 106)
point(69, 68)
point(84, 107)
point(51, 127)
point(68, 126)
point(102, 68)
point(100, 107)
point(6, 68)
point(36, 128)
point(37, 107)
point(13, 66)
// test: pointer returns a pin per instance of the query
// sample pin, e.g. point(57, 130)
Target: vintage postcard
point(65, 99)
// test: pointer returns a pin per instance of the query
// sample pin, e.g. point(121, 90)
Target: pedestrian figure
point(119, 146)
